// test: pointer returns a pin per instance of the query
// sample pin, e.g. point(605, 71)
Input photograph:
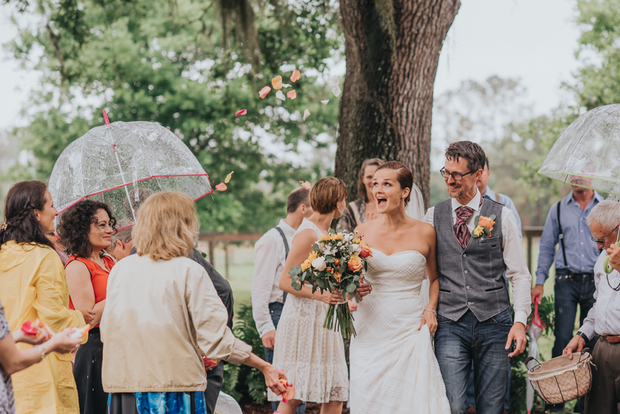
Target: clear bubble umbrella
point(121, 164)
point(587, 153)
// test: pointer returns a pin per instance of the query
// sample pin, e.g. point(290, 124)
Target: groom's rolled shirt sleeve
point(517, 272)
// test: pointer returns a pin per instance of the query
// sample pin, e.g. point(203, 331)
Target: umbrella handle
point(528, 360)
point(608, 269)
point(536, 319)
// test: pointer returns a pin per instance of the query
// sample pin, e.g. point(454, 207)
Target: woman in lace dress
point(393, 365)
point(311, 356)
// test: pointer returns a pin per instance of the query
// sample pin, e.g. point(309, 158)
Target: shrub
point(243, 383)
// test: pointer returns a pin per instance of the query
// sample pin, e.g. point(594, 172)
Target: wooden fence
point(529, 234)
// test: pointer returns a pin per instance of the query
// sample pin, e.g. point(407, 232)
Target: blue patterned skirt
point(157, 403)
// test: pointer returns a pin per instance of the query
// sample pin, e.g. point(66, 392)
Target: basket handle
point(530, 359)
point(583, 351)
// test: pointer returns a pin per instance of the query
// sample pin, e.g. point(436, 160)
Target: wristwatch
point(584, 336)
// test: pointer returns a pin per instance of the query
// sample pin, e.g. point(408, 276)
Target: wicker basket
point(561, 379)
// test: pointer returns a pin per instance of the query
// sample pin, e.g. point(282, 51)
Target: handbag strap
point(562, 236)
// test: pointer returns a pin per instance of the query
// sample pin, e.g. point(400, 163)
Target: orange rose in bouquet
point(355, 263)
point(365, 251)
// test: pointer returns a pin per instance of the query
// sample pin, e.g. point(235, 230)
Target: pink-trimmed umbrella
point(120, 163)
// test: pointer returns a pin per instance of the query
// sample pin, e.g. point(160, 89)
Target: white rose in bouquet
point(319, 264)
point(356, 248)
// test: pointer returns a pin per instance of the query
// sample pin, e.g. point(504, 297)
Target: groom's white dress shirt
point(516, 269)
point(269, 258)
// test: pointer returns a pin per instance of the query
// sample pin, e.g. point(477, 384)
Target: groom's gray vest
point(471, 278)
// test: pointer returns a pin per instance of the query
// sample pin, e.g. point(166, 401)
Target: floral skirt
point(157, 403)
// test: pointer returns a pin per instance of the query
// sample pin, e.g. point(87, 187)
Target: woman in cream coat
point(162, 314)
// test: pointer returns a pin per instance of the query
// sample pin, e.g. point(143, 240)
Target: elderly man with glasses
point(567, 227)
point(603, 319)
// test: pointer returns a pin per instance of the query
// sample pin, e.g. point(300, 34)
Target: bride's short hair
point(326, 193)
point(403, 175)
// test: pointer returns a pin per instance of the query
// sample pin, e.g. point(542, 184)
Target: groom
point(473, 313)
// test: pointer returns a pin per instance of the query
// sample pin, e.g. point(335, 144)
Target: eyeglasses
point(455, 176)
point(602, 241)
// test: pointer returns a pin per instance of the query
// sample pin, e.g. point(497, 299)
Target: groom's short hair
point(472, 152)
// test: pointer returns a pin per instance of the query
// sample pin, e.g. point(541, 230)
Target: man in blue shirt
point(574, 264)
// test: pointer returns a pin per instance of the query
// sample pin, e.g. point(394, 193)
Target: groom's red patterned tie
point(463, 235)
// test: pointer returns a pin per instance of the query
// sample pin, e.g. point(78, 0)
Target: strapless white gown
point(393, 364)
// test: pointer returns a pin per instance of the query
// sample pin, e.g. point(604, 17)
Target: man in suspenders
point(270, 252)
point(567, 227)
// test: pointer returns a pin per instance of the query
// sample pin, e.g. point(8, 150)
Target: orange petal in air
point(291, 94)
point(277, 82)
point(221, 187)
point(263, 92)
point(295, 76)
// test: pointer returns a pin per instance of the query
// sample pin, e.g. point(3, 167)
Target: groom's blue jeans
point(275, 310)
point(458, 344)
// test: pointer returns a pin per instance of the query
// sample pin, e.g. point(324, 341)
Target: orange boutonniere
point(484, 225)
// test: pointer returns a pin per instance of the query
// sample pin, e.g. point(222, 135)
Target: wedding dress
point(393, 364)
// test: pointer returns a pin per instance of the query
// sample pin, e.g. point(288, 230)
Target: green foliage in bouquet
point(243, 383)
point(335, 264)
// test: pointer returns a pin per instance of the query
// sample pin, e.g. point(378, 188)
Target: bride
point(393, 365)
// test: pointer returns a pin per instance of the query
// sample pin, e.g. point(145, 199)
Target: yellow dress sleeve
point(52, 299)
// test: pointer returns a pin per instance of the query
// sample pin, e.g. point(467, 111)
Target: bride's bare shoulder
point(364, 228)
point(421, 227)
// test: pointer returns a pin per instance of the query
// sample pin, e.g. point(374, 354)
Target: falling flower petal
point(306, 114)
point(280, 96)
point(295, 76)
point(306, 185)
point(263, 92)
point(336, 90)
point(291, 94)
point(333, 81)
point(221, 187)
point(228, 177)
point(286, 85)
point(277, 82)
point(241, 112)
point(325, 102)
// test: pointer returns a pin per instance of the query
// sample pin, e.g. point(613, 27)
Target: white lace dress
point(393, 364)
point(311, 356)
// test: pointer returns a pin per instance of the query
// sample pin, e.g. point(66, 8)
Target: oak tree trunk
point(392, 52)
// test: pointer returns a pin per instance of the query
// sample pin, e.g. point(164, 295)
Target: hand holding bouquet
point(335, 264)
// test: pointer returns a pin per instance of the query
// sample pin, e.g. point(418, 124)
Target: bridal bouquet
point(335, 264)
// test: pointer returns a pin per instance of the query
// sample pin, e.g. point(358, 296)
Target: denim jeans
point(458, 344)
point(571, 292)
point(275, 309)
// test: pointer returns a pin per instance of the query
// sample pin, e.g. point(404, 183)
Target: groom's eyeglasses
point(602, 241)
point(455, 176)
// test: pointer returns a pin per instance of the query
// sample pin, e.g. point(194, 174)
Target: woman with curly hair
point(33, 285)
point(85, 230)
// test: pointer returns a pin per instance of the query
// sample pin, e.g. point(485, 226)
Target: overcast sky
point(534, 40)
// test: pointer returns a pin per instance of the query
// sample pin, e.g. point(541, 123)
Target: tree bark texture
point(392, 52)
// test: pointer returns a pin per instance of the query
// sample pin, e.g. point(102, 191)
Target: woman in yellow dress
point(33, 285)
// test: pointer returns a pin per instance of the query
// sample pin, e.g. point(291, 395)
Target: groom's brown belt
point(612, 339)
